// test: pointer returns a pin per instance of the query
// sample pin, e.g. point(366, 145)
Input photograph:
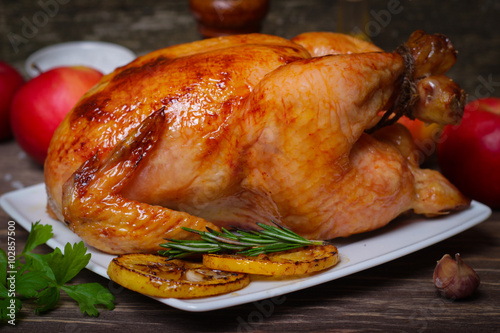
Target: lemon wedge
point(304, 260)
point(156, 276)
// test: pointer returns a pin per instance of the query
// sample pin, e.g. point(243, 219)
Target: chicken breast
point(252, 128)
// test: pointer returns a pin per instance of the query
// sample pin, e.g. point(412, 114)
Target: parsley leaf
point(29, 283)
point(38, 235)
point(66, 266)
point(47, 299)
point(88, 295)
point(41, 278)
point(6, 304)
point(3, 274)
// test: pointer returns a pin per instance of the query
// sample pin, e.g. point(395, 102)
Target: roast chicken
point(253, 128)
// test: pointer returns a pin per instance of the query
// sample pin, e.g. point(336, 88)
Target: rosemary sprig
point(244, 242)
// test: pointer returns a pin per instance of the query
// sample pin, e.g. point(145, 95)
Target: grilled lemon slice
point(299, 261)
point(156, 276)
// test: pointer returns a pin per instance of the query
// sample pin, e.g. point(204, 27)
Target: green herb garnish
point(243, 242)
point(40, 279)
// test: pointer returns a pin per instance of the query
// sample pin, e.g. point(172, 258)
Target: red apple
point(41, 104)
point(10, 82)
point(469, 153)
point(426, 136)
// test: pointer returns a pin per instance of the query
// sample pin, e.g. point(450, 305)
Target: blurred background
point(142, 26)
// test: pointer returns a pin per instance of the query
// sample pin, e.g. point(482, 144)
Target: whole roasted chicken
point(253, 128)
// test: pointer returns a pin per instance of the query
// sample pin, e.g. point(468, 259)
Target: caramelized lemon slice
point(304, 260)
point(156, 276)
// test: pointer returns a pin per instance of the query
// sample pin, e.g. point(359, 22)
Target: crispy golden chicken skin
point(252, 128)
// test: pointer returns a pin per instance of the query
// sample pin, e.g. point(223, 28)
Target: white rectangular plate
point(401, 237)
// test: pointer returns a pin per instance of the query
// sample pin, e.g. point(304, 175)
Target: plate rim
point(471, 217)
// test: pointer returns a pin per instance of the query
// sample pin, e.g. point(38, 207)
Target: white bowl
point(102, 56)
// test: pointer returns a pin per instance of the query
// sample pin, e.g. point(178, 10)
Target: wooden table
point(396, 296)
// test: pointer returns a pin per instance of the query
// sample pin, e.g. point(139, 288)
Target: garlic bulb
point(455, 279)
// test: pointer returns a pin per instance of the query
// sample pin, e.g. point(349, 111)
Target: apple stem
point(38, 69)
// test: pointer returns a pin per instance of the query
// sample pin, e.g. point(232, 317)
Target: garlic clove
point(454, 279)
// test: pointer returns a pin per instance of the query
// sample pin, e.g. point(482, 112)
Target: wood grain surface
point(398, 296)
